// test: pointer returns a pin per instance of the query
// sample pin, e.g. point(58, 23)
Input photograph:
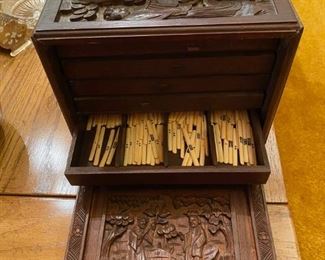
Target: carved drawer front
point(179, 224)
point(80, 170)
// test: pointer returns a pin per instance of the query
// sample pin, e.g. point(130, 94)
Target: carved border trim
point(261, 225)
point(79, 225)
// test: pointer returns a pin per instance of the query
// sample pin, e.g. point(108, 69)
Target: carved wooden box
point(211, 223)
point(126, 56)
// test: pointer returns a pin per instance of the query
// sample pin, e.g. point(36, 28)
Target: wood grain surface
point(34, 139)
point(283, 232)
point(274, 188)
point(34, 228)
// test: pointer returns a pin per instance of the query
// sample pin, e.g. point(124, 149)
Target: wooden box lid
point(211, 223)
point(218, 54)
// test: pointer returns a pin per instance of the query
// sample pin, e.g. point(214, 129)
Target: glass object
point(17, 21)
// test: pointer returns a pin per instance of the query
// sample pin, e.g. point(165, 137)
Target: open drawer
point(82, 172)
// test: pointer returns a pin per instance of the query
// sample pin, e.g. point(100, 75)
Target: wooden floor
point(36, 201)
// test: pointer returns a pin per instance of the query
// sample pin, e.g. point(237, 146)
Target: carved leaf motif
point(162, 221)
point(164, 215)
point(150, 213)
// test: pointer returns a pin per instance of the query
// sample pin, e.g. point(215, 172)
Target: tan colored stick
point(202, 153)
point(133, 145)
point(223, 126)
point(215, 141)
point(107, 148)
point(190, 122)
point(94, 146)
point(89, 123)
point(245, 146)
point(219, 144)
point(235, 150)
point(160, 130)
point(230, 141)
point(182, 154)
point(127, 144)
point(190, 146)
point(186, 159)
point(170, 137)
point(152, 159)
point(253, 146)
point(178, 137)
point(95, 120)
point(157, 143)
point(205, 135)
point(198, 138)
point(99, 146)
point(149, 152)
point(174, 140)
point(139, 152)
point(113, 149)
point(145, 134)
point(136, 154)
point(192, 137)
point(240, 142)
point(225, 151)
point(153, 140)
point(249, 144)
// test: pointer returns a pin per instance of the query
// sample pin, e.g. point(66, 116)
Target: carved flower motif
point(169, 231)
point(12, 34)
point(120, 220)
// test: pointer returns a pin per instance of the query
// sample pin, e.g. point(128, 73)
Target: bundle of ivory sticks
point(187, 134)
point(233, 138)
point(109, 124)
point(144, 139)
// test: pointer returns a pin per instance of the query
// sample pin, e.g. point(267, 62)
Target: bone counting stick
point(190, 147)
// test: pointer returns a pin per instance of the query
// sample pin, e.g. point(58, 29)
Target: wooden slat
point(171, 44)
point(256, 63)
point(34, 138)
point(37, 228)
point(284, 236)
point(165, 103)
point(274, 188)
point(111, 87)
point(34, 228)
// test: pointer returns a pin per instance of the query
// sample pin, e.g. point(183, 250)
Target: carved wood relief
point(135, 10)
point(198, 224)
point(168, 227)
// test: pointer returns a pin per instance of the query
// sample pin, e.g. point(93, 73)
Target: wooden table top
point(36, 201)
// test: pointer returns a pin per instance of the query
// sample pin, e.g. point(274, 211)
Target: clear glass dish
point(17, 21)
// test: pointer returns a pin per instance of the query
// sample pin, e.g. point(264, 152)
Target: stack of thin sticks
point(109, 124)
point(144, 139)
point(233, 138)
point(187, 135)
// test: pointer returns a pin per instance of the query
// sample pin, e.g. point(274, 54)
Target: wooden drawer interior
point(81, 172)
